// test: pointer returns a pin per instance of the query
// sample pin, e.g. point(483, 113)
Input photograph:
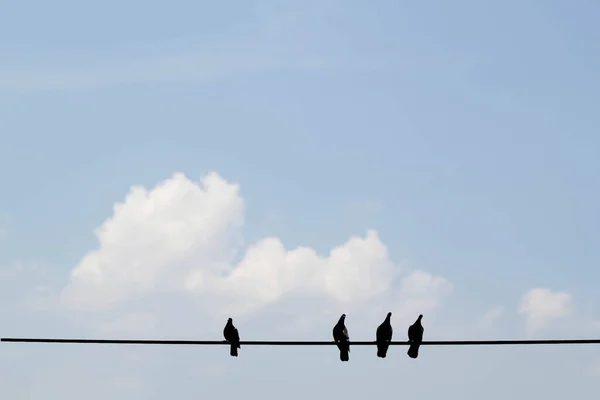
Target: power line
point(302, 343)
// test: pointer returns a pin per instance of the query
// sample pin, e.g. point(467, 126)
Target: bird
point(340, 336)
point(232, 336)
point(415, 337)
point(384, 336)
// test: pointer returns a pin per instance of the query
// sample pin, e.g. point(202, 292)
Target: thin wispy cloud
point(188, 66)
point(272, 43)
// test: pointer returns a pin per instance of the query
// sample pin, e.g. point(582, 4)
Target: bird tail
point(234, 350)
point(413, 351)
point(382, 351)
point(344, 355)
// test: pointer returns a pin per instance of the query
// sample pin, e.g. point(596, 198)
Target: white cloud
point(353, 272)
point(153, 236)
point(183, 238)
point(541, 306)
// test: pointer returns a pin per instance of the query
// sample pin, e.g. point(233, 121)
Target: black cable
point(303, 343)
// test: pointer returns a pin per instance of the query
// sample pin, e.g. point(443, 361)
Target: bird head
point(389, 315)
point(420, 316)
point(229, 320)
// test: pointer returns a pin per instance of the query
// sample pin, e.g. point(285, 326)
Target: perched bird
point(415, 337)
point(232, 336)
point(384, 336)
point(340, 336)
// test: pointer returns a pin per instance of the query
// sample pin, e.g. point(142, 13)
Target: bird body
point(232, 336)
point(340, 336)
point(415, 337)
point(384, 335)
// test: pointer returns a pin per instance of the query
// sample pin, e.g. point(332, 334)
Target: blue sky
point(460, 134)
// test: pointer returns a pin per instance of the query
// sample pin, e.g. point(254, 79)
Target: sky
point(165, 166)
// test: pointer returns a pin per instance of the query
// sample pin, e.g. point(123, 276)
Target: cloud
point(261, 46)
point(184, 67)
point(541, 306)
point(276, 39)
point(184, 238)
point(153, 236)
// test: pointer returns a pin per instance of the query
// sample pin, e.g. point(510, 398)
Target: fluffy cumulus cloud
point(171, 261)
point(542, 306)
point(184, 238)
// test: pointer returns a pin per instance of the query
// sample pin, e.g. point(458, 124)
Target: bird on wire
point(384, 335)
point(340, 336)
point(232, 336)
point(415, 337)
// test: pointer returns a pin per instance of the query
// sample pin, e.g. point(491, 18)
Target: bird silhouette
point(340, 336)
point(232, 336)
point(415, 337)
point(384, 336)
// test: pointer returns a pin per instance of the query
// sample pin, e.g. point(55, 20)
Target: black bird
point(340, 336)
point(232, 336)
point(384, 336)
point(415, 337)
